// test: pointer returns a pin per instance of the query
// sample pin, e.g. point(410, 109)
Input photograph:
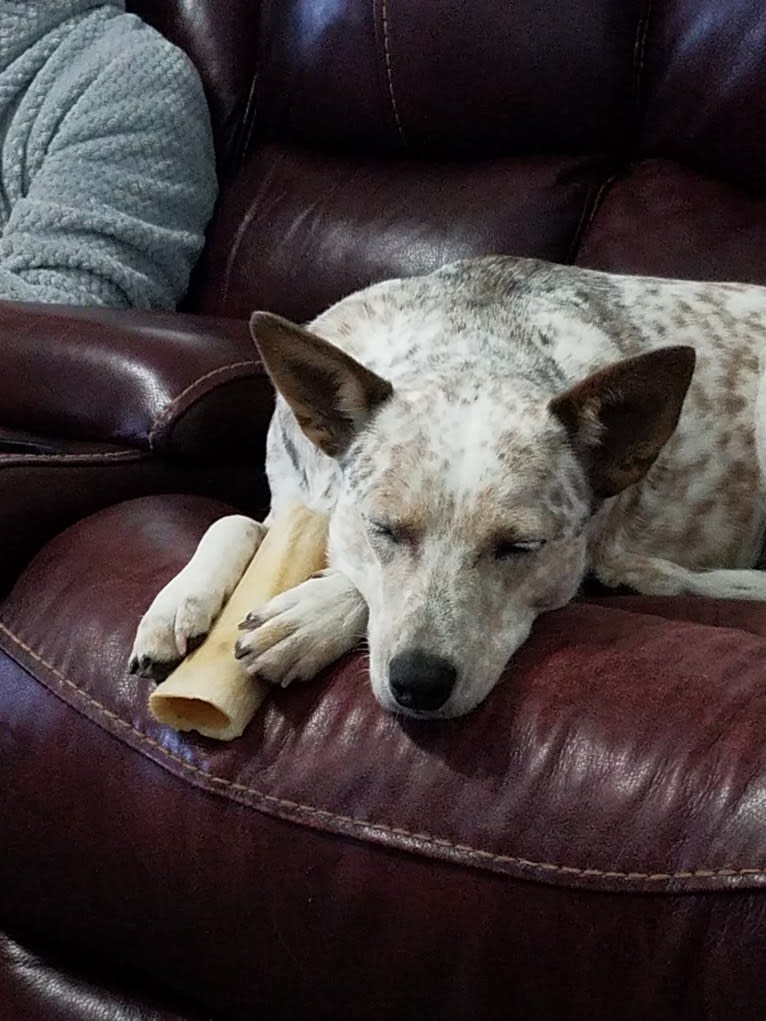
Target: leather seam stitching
point(248, 123)
point(588, 215)
point(365, 824)
point(163, 417)
point(389, 73)
point(639, 58)
point(7, 460)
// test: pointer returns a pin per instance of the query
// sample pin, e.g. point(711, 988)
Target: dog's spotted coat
point(506, 440)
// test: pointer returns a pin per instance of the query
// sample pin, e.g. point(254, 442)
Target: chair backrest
point(221, 37)
point(365, 140)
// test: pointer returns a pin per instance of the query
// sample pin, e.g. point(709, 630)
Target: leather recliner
point(591, 842)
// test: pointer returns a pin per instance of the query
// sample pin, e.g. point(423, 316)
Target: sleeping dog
point(482, 438)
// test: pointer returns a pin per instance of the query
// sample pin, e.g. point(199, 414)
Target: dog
point(482, 438)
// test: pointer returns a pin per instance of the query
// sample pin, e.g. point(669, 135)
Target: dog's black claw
point(250, 623)
point(194, 642)
point(239, 651)
point(160, 669)
point(152, 669)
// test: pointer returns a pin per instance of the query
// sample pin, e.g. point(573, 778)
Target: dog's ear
point(330, 394)
point(619, 418)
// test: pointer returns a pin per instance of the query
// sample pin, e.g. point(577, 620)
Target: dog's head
point(464, 504)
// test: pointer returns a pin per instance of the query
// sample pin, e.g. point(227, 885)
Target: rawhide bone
point(209, 691)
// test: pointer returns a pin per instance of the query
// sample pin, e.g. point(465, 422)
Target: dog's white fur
point(473, 479)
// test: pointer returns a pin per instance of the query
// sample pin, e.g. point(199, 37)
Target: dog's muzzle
point(421, 682)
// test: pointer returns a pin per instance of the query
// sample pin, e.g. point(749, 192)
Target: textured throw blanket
point(107, 174)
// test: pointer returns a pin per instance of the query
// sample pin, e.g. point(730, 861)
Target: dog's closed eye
point(509, 549)
point(383, 530)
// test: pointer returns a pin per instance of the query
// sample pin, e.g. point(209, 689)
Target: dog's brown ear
point(619, 418)
point(330, 394)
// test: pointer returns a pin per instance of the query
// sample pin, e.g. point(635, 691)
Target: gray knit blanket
point(107, 172)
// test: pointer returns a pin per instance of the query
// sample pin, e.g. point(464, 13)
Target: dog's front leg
point(183, 611)
point(300, 632)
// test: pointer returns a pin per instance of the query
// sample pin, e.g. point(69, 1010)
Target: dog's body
point(513, 428)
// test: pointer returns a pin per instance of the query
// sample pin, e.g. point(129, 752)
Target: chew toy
point(209, 691)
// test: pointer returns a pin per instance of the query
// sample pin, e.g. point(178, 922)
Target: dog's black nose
point(420, 681)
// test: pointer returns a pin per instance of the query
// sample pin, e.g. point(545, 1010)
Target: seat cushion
point(334, 846)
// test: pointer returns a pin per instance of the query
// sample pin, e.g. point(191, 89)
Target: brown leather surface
point(42, 494)
point(174, 384)
point(355, 222)
point(42, 987)
point(666, 220)
point(705, 103)
point(614, 777)
point(446, 78)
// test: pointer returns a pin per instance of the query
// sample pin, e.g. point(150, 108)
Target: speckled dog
point(508, 427)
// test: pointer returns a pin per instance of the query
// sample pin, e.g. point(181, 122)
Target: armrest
point(174, 384)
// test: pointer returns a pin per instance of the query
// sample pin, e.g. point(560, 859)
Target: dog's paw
point(173, 626)
point(300, 632)
point(181, 615)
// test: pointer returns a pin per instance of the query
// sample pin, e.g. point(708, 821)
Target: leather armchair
point(590, 843)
